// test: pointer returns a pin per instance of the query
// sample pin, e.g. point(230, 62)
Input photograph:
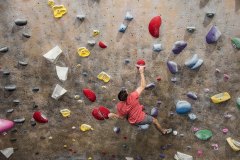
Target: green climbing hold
point(203, 134)
point(238, 102)
point(236, 43)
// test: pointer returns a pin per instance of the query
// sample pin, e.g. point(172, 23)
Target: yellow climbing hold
point(85, 127)
point(83, 52)
point(51, 3)
point(59, 11)
point(96, 32)
point(235, 145)
point(65, 112)
point(89, 158)
point(104, 76)
point(221, 97)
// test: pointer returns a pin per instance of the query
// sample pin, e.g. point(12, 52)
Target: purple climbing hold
point(162, 155)
point(116, 130)
point(213, 35)
point(192, 95)
point(172, 66)
point(154, 112)
point(150, 86)
point(179, 46)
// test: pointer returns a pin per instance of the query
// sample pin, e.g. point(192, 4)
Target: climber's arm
point(142, 82)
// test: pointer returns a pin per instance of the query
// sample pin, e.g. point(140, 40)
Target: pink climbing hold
point(39, 117)
point(102, 45)
point(226, 77)
point(5, 125)
point(154, 26)
point(100, 113)
point(225, 130)
point(89, 94)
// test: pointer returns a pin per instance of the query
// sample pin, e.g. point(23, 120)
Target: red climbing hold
point(154, 26)
point(39, 117)
point(89, 94)
point(140, 62)
point(102, 45)
point(100, 113)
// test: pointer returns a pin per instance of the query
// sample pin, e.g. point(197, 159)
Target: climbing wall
point(35, 78)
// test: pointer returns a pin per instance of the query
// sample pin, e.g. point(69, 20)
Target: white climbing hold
point(122, 28)
point(58, 92)
point(198, 64)
point(128, 16)
point(53, 54)
point(182, 156)
point(91, 42)
point(62, 73)
point(7, 152)
point(157, 47)
point(81, 17)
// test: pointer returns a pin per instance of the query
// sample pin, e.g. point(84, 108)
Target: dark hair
point(122, 95)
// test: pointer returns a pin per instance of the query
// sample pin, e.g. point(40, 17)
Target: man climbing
point(130, 108)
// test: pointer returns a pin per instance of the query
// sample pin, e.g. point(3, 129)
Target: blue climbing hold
point(183, 107)
point(191, 62)
point(122, 28)
point(179, 46)
point(198, 64)
point(213, 35)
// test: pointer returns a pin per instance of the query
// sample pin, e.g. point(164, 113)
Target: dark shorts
point(147, 120)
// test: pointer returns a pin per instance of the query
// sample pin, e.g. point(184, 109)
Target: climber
point(130, 108)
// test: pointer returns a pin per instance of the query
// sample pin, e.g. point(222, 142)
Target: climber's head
point(122, 95)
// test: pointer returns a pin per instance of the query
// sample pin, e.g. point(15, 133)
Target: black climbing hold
point(124, 146)
point(3, 49)
point(191, 29)
point(19, 120)
point(22, 63)
point(10, 87)
point(210, 14)
point(10, 110)
point(34, 105)
point(126, 61)
point(16, 101)
point(35, 89)
point(85, 74)
point(6, 73)
point(33, 123)
point(20, 22)
point(26, 35)
point(13, 139)
point(150, 86)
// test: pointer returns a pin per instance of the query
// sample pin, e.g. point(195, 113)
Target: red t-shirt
point(131, 108)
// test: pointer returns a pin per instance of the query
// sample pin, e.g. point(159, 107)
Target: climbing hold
point(11, 87)
point(238, 102)
point(129, 158)
point(191, 29)
point(122, 28)
point(100, 113)
point(217, 70)
point(102, 45)
point(236, 42)
point(20, 22)
point(159, 78)
point(173, 79)
point(192, 95)
point(53, 54)
point(65, 112)
point(154, 112)
point(235, 145)
point(7, 152)
point(62, 73)
point(33, 123)
point(81, 17)
point(91, 42)
point(172, 66)
point(26, 35)
point(226, 77)
point(182, 156)
point(104, 77)
point(191, 62)
point(221, 97)
point(140, 62)
point(51, 3)
point(116, 129)
point(59, 11)
point(215, 146)
point(198, 64)
point(5, 125)
point(210, 14)
point(154, 26)
point(35, 89)
point(96, 32)
point(83, 52)
point(225, 130)
point(162, 155)
point(126, 61)
point(89, 94)
point(3, 49)
point(179, 46)
point(10, 110)
point(203, 134)
point(150, 86)
point(19, 120)
point(39, 117)
point(58, 92)
point(199, 153)
point(183, 107)
point(16, 101)
point(213, 35)
point(84, 74)
point(128, 16)
point(22, 63)
point(157, 47)
point(76, 97)
point(175, 133)
point(85, 127)
point(192, 116)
